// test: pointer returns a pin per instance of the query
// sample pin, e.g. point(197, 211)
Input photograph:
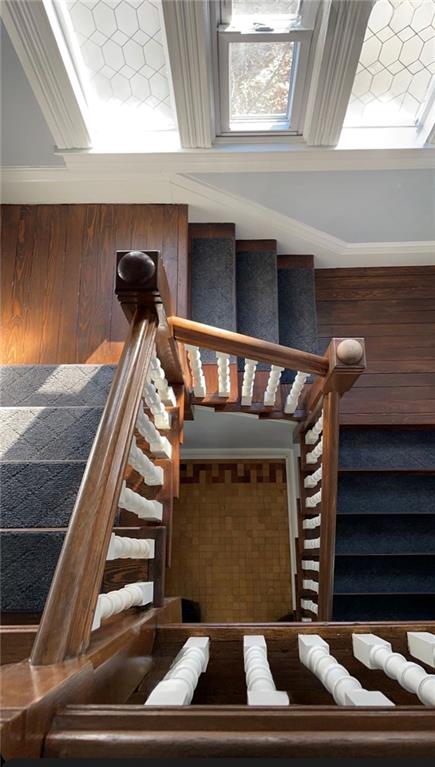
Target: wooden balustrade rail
point(209, 337)
point(66, 624)
point(346, 362)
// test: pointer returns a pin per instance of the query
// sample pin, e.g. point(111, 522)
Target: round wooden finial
point(136, 267)
point(350, 351)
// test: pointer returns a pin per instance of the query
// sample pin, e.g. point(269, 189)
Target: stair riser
point(55, 385)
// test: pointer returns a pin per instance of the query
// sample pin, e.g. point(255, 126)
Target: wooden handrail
point(66, 624)
point(209, 337)
point(346, 362)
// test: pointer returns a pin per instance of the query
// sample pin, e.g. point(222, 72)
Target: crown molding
point(207, 202)
point(51, 74)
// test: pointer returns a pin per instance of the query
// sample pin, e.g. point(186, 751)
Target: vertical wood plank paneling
point(58, 263)
point(38, 284)
point(183, 285)
point(68, 314)
point(21, 284)
point(9, 235)
point(54, 286)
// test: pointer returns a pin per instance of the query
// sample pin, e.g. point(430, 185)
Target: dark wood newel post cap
point(350, 351)
point(136, 267)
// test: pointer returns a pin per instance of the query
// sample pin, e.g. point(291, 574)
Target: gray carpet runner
point(385, 536)
point(297, 306)
point(257, 291)
point(49, 415)
point(213, 277)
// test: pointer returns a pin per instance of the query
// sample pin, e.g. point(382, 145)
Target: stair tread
point(296, 308)
point(55, 385)
point(213, 277)
point(257, 291)
point(35, 434)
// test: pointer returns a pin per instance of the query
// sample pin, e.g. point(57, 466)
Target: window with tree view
point(263, 57)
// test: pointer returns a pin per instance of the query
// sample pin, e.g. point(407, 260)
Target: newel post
point(346, 358)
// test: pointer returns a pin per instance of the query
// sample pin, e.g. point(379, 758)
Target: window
point(263, 61)
point(395, 80)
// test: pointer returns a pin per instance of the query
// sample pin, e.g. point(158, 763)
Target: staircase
point(385, 540)
point(49, 415)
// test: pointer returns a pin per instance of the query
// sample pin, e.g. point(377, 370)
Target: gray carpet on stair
point(28, 561)
point(257, 297)
point(55, 385)
point(38, 494)
point(41, 434)
point(213, 285)
point(383, 607)
point(297, 312)
point(386, 494)
point(385, 534)
point(387, 449)
point(385, 574)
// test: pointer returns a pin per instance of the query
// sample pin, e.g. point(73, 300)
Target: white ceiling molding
point(187, 26)
point(341, 36)
point(50, 72)
point(208, 203)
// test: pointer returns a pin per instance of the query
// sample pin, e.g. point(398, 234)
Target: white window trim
point(293, 121)
point(338, 51)
point(31, 25)
point(187, 26)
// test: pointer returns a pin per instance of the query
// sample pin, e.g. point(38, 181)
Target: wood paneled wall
point(57, 276)
point(394, 310)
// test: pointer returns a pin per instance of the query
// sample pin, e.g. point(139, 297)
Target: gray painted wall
point(356, 206)
point(25, 138)
point(213, 431)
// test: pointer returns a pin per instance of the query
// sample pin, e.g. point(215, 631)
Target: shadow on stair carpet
point(50, 415)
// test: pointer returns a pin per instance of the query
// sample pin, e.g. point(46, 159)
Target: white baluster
point(306, 620)
point(142, 507)
point(223, 371)
point(311, 501)
point(292, 400)
point(272, 385)
point(421, 645)
point(312, 543)
point(179, 684)
point(159, 445)
point(259, 680)
point(313, 434)
point(375, 652)
point(315, 454)
point(157, 375)
point(344, 688)
point(310, 564)
point(132, 595)
point(313, 479)
point(198, 380)
point(121, 547)
point(151, 396)
point(248, 383)
point(310, 585)
point(311, 523)
point(152, 475)
point(308, 604)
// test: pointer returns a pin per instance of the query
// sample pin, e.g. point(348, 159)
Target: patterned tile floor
point(231, 541)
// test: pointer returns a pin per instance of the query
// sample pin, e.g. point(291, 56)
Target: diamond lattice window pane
point(396, 72)
point(260, 75)
point(119, 47)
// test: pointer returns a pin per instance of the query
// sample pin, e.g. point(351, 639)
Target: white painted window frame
point(301, 34)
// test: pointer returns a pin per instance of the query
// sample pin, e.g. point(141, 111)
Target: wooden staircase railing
point(74, 605)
